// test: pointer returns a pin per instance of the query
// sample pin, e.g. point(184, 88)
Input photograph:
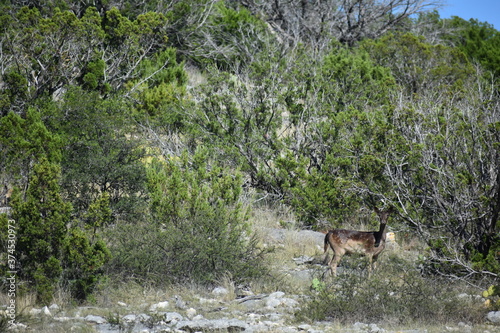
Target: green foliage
point(318, 285)
point(93, 75)
point(15, 93)
point(99, 213)
point(352, 80)
point(25, 141)
point(99, 157)
point(242, 122)
point(84, 260)
point(488, 259)
point(48, 255)
point(492, 295)
point(120, 30)
point(41, 218)
point(198, 230)
point(335, 136)
point(235, 36)
point(417, 65)
point(57, 49)
point(160, 88)
point(44, 279)
point(478, 40)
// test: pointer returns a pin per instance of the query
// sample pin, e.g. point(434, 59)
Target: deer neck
point(380, 235)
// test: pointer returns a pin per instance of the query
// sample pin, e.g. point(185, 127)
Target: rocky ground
point(219, 310)
point(254, 313)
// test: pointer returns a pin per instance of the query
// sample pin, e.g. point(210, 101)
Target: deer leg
point(375, 262)
point(334, 263)
point(370, 265)
point(327, 260)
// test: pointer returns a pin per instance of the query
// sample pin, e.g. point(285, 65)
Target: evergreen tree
point(42, 216)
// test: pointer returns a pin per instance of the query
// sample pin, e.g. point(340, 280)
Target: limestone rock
point(129, 318)
point(216, 325)
point(494, 317)
point(220, 291)
point(95, 319)
point(159, 306)
point(172, 317)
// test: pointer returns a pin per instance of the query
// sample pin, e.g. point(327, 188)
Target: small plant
point(115, 320)
point(153, 320)
point(317, 285)
point(492, 295)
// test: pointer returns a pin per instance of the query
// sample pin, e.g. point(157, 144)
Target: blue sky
point(483, 10)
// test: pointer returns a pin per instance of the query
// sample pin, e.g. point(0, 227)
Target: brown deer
point(369, 243)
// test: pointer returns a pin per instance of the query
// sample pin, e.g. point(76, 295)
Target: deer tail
point(327, 241)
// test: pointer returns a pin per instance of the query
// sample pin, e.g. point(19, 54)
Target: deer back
point(352, 241)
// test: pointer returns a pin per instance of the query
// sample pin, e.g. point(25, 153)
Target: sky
point(482, 10)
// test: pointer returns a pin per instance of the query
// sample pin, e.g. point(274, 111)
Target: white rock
point(271, 325)
point(494, 317)
point(179, 303)
point(121, 304)
point(172, 317)
point(277, 294)
point(360, 326)
point(271, 303)
point(143, 317)
point(207, 301)
point(275, 317)
point(215, 325)
point(375, 329)
point(46, 311)
point(220, 291)
point(129, 318)
point(253, 317)
point(302, 260)
point(289, 302)
point(304, 327)
point(54, 307)
point(190, 313)
point(18, 327)
point(95, 319)
point(159, 306)
point(35, 312)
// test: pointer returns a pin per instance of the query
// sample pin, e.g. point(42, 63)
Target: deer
point(369, 243)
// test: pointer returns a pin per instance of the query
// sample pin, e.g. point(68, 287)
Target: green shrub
point(84, 261)
point(48, 255)
point(197, 231)
point(41, 218)
point(492, 295)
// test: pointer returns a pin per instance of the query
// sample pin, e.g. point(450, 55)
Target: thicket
point(123, 165)
point(398, 296)
point(197, 229)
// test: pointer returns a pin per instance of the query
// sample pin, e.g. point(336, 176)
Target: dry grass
point(265, 217)
point(195, 77)
point(24, 302)
point(226, 282)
